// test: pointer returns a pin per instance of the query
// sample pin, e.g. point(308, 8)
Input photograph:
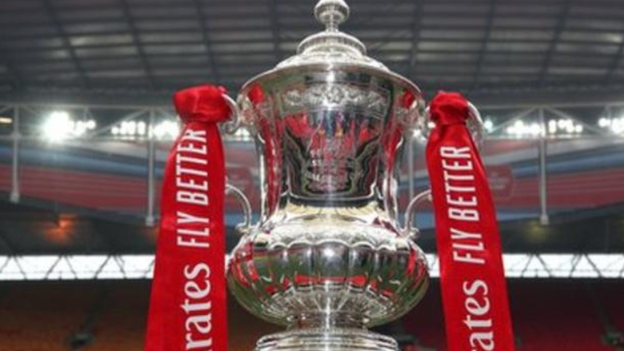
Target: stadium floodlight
point(520, 129)
point(488, 125)
point(119, 267)
point(60, 126)
point(604, 122)
point(168, 129)
point(141, 128)
point(128, 128)
point(615, 125)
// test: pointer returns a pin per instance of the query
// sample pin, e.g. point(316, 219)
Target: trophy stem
point(321, 339)
point(326, 332)
point(326, 321)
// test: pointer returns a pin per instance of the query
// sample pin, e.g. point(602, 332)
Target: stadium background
point(86, 123)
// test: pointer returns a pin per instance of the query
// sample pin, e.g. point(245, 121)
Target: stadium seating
point(556, 315)
point(40, 317)
point(611, 297)
point(426, 321)
point(548, 316)
point(121, 323)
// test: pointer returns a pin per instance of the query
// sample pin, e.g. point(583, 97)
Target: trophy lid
point(330, 50)
point(331, 46)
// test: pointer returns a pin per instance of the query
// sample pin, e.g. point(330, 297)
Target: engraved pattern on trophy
point(328, 257)
point(332, 143)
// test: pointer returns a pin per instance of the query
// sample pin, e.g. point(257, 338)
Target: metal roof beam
point(207, 41)
point(618, 56)
point(484, 43)
point(403, 36)
point(66, 44)
point(275, 30)
point(552, 46)
point(137, 43)
point(418, 16)
point(15, 77)
point(304, 28)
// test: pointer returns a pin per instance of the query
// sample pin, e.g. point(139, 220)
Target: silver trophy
point(329, 258)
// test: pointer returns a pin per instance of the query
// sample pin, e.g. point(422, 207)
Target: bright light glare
point(564, 126)
point(167, 130)
point(488, 125)
point(615, 125)
point(519, 128)
point(59, 126)
point(101, 267)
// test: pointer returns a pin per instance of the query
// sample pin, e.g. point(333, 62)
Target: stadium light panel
point(120, 267)
point(59, 126)
point(488, 125)
point(168, 129)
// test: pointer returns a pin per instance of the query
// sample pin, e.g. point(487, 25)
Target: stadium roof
point(148, 48)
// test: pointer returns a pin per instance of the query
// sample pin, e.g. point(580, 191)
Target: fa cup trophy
point(328, 258)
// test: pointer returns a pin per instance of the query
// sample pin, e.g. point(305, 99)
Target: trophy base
point(335, 339)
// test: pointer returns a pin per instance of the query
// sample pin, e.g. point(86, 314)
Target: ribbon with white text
point(474, 293)
point(188, 300)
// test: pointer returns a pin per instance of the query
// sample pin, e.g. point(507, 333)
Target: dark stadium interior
point(111, 315)
point(488, 48)
point(79, 216)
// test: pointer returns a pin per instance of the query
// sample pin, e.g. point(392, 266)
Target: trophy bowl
point(328, 257)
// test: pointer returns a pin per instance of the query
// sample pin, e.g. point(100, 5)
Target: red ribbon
point(473, 285)
point(189, 300)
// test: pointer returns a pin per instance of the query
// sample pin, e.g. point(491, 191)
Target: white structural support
point(126, 267)
point(150, 219)
point(15, 138)
point(78, 267)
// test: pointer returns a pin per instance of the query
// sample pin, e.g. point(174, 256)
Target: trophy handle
point(475, 125)
point(244, 227)
point(410, 230)
point(234, 123)
point(231, 127)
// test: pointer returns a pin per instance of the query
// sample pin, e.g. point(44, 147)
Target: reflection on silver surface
point(328, 257)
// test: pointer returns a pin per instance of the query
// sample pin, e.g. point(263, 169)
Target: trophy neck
point(344, 339)
point(329, 320)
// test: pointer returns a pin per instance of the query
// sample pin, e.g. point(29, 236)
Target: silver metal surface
point(411, 228)
point(244, 227)
point(328, 256)
point(233, 124)
point(331, 46)
point(328, 251)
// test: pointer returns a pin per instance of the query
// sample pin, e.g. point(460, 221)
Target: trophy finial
point(331, 13)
